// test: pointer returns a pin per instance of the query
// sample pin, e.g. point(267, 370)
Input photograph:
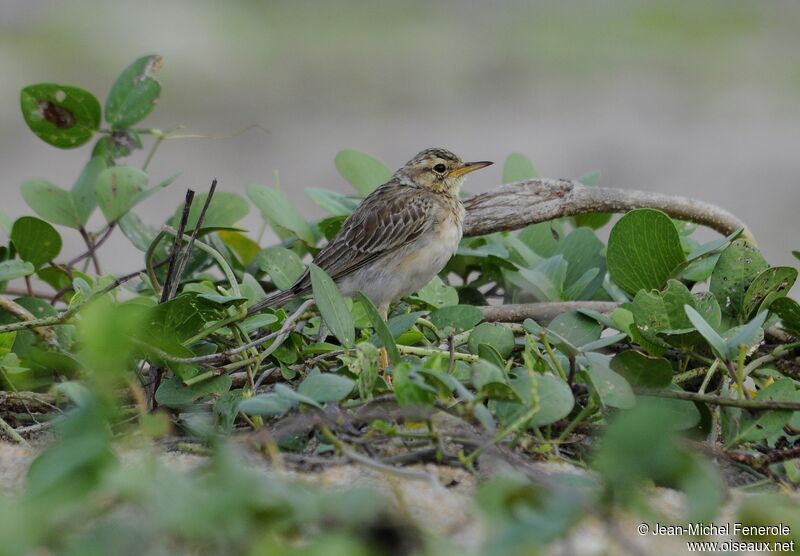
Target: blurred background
point(685, 97)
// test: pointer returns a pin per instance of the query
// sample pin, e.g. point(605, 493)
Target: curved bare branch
point(516, 205)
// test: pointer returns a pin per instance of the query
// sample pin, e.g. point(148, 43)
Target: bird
point(398, 238)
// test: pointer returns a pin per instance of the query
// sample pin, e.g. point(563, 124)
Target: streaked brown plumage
point(399, 237)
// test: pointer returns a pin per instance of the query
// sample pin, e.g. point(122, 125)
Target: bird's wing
point(392, 216)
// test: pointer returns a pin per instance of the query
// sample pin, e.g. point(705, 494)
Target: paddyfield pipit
point(399, 237)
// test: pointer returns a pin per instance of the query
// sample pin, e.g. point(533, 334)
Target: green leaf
point(133, 95)
point(683, 414)
point(641, 370)
point(13, 269)
point(517, 167)
point(267, 405)
point(659, 312)
point(82, 193)
point(583, 252)
point(240, 245)
point(410, 387)
point(332, 202)
point(768, 423)
point(495, 335)
point(119, 188)
point(51, 203)
point(278, 211)
point(574, 330)
point(381, 328)
point(36, 241)
point(737, 267)
point(225, 211)
point(789, 311)
point(712, 337)
point(438, 294)
point(592, 220)
point(613, 389)
point(746, 335)
point(765, 288)
point(362, 171)
point(63, 116)
point(459, 317)
point(174, 393)
point(332, 306)
point(543, 238)
point(555, 399)
point(140, 234)
point(326, 387)
point(282, 265)
point(644, 249)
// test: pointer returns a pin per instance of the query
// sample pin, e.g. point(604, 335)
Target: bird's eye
point(439, 168)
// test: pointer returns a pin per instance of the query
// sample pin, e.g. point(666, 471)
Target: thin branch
point(227, 354)
point(100, 241)
point(717, 400)
point(64, 316)
point(516, 205)
point(12, 433)
point(91, 249)
point(182, 263)
point(541, 312)
point(166, 293)
point(23, 292)
point(21, 313)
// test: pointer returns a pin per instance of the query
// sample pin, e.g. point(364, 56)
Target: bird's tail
point(272, 301)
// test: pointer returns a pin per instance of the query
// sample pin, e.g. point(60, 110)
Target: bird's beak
point(470, 167)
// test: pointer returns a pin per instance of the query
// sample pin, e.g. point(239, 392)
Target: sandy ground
point(437, 510)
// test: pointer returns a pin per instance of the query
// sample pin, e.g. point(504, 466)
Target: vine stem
point(414, 350)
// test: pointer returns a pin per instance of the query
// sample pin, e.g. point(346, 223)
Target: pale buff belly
point(405, 271)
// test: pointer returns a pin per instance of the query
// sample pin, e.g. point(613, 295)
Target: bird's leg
point(383, 311)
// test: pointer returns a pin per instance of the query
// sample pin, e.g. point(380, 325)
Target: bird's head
point(438, 170)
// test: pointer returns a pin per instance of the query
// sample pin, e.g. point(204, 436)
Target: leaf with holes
point(644, 250)
point(362, 171)
point(63, 116)
point(133, 95)
point(737, 267)
point(771, 284)
point(36, 241)
point(789, 311)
